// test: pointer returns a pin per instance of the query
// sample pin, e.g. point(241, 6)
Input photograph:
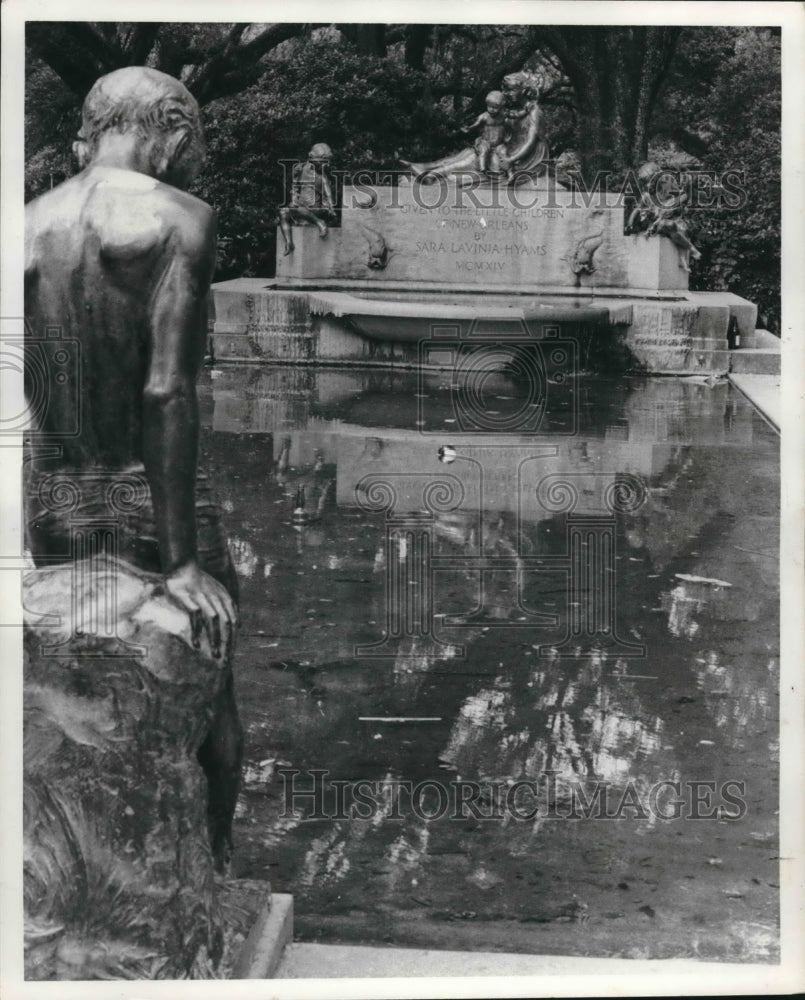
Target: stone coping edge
point(377, 287)
point(748, 385)
point(263, 949)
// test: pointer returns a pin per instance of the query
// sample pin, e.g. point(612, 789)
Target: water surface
point(497, 653)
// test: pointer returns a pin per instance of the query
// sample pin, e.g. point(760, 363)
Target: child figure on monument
point(490, 146)
point(661, 211)
point(670, 222)
point(311, 195)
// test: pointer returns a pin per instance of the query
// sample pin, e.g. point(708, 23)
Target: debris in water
point(756, 552)
point(688, 578)
point(399, 718)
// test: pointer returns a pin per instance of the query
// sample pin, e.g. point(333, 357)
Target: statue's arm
point(475, 124)
point(327, 193)
point(296, 184)
point(178, 330)
point(531, 136)
point(170, 411)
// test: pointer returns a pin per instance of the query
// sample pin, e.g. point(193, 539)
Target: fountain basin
point(410, 320)
point(258, 319)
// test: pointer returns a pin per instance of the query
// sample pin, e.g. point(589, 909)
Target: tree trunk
point(417, 39)
point(368, 39)
point(616, 74)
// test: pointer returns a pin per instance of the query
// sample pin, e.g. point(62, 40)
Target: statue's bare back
point(128, 251)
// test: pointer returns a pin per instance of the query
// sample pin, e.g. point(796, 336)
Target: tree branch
point(106, 50)
point(46, 41)
point(235, 66)
point(141, 41)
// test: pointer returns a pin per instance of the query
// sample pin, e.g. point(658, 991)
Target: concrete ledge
point(329, 961)
point(755, 361)
point(763, 391)
point(264, 947)
point(762, 338)
point(423, 290)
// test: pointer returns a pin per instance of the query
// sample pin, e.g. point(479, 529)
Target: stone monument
point(489, 235)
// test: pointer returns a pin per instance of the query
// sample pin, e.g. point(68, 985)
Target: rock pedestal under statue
point(118, 877)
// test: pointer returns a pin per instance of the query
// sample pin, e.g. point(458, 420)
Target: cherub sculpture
point(494, 133)
point(661, 209)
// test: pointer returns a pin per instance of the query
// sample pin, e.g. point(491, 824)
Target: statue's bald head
point(155, 108)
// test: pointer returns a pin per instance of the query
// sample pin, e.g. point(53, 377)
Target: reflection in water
point(244, 557)
point(739, 702)
point(573, 720)
point(511, 691)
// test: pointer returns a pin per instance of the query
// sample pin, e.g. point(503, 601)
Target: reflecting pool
point(507, 685)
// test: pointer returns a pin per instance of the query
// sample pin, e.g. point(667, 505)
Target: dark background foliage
point(695, 98)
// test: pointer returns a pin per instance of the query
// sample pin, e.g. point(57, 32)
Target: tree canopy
point(613, 95)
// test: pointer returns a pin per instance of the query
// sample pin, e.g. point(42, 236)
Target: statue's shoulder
point(191, 220)
point(134, 214)
point(56, 213)
point(130, 216)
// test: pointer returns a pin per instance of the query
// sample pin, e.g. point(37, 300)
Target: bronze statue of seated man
point(120, 258)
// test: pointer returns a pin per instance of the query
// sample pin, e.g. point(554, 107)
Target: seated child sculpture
point(312, 199)
point(661, 212)
point(490, 146)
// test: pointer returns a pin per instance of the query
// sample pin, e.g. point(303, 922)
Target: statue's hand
point(207, 602)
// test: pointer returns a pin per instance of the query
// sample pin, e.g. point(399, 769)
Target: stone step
point(761, 338)
point(755, 361)
point(333, 961)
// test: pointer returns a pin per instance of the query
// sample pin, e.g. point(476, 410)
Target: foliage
point(367, 110)
point(731, 116)
point(709, 96)
point(52, 118)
